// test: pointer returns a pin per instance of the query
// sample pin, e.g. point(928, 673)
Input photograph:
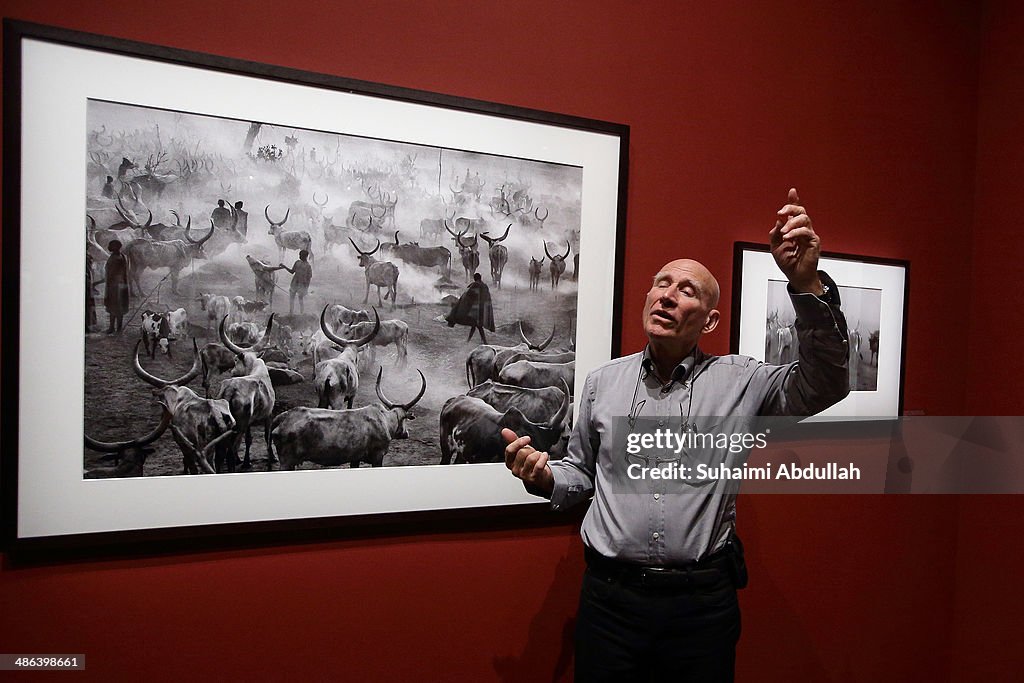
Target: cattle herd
point(220, 369)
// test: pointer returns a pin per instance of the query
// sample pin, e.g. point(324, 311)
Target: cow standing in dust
point(174, 255)
point(331, 438)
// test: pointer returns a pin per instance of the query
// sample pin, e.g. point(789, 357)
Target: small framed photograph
point(873, 292)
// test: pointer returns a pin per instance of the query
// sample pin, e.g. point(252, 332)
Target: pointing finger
point(793, 197)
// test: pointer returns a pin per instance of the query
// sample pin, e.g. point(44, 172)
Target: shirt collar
point(680, 373)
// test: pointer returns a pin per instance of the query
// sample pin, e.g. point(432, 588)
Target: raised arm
point(821, 376)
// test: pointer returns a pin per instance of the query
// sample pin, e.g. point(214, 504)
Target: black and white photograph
point(310, 291)
point(862, 306)
point(313, 300)
point(874, 301)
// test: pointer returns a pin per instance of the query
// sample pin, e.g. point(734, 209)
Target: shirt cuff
point(560, 491)
point(813, 310)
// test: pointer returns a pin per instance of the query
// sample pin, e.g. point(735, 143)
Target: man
point(302, 274)
point(242, 224)
point(659, 596)
point(115, 298)
point(221, 216)
point(474, 309)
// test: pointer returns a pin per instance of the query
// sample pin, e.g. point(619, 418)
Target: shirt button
point(655, 536)
point(657, 496)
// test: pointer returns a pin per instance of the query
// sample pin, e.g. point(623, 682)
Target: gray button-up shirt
point(651, 522)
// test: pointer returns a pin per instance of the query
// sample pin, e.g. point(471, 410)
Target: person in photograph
point(659, 599)
point(302, 274)
point(115, 298)
point(474, 309)
point(242, 223)
point(221, 216)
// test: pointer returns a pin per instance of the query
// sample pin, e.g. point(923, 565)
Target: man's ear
point(712, 322)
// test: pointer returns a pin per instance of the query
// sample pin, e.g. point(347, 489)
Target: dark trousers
point(627, 633)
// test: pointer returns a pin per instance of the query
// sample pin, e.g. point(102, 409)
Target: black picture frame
point(876, 296)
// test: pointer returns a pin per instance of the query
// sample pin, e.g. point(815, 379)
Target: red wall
point(868, 108)
point(990, 552)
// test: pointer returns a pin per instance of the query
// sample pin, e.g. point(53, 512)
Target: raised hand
point(795, 246)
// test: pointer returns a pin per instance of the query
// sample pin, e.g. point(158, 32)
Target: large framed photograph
point(238, 294)
point(873, 292)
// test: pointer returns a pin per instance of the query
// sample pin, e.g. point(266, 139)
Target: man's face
point(680, 304)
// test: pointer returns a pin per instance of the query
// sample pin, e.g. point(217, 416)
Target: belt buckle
point(663, 576)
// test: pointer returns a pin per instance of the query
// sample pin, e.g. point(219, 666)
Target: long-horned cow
point(535, 270)
point(288, 239)
point(467, 252)
point(413, 253)
point(480, 364)
point(129, 456)
point(249, 393)
point(362, 215)
point(379, 274)
point(265, 276)
point(392, 332)
point(557, 265)
point(199, 425)
point(337, 379)
point(536, 374)
point(330, 438)
point(173, 255)
point(537, 405)
point(471, 430)
point(497, 254)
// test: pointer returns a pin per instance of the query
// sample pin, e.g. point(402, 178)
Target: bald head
point(701, 277)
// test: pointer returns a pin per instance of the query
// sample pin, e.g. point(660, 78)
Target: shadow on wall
point(541, 652)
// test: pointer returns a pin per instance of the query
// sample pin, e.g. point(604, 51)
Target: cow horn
point(148, 378)
point(329, 333)
point(361, 252)
point(535, 347)
point(396, 237)
point(239, 350)
point(548, 252)
point(120, 446)
point(506, 233)
point(568, 248)
point(536, 212)
point(405, 406)
point(234, 215)
point(92, 222)
point(458, 236)
point(266, 212)
point(231, 346)
point(202, 240)
point(323, 204)
point(562, 409)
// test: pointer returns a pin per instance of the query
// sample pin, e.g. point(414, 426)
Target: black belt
point(705, 572)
